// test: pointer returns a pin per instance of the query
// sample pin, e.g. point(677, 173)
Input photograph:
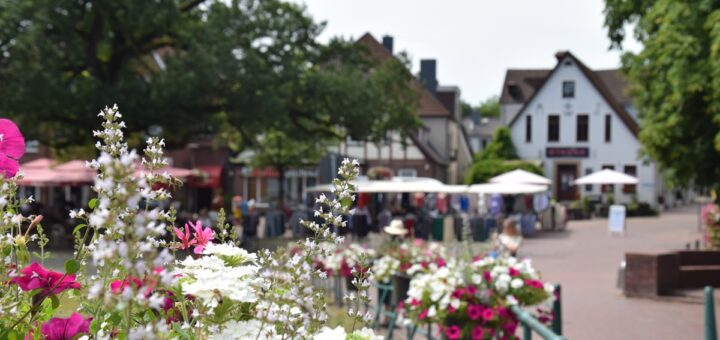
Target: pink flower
point(503, 312)
point(488, 314)
point(184, 237)
point(202, 236)
point(535, 284)
point(477, 333)
point(513, 272)
point(458, 293)
point(65, 329)
point(487, 277)
point(414, 302)
point(453, 332)
point(510, 327)
point(12, 147)
point(440, 262)
point(118, 286)
point(423, 314)
point(475, 311)
point(36, 276)
point(471, 290)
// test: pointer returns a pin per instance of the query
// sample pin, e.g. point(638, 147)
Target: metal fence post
point(527, 332)
point(710, 329)
point(557, 311)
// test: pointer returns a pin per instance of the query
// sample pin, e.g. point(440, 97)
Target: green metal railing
point(530, 323)
point(710, 329)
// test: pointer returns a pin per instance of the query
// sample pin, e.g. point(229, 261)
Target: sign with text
point(567, 152)
point(616, 219)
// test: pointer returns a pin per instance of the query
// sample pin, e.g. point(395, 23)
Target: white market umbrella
point(520, 176)
point(455, 189)
point(507, 188)
point(606, 176)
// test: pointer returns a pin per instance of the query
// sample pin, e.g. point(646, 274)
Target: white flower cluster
point(439, 286)
point(384, 268)
point(336, 333)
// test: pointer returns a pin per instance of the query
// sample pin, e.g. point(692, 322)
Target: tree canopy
point(498, 157)
point(675, 82)
point(239, 69)
point(489, 107)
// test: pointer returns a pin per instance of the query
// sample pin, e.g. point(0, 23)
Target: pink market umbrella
point(40, 163)
point(74, 173)
point(38, 172)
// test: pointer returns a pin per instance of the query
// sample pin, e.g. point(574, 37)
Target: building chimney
point(428, 74)
point(560, 55)
point(388, 42)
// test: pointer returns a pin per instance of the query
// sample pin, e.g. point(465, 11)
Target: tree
point(500, 147)
point(675, 82)
point(490, 107)
point(498, 157)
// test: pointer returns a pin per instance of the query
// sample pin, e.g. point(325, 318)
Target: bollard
point(697, 244)
point(687, 246)
point(557, 311)
point(710, 329)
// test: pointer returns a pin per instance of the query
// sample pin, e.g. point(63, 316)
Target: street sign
point(616, 219)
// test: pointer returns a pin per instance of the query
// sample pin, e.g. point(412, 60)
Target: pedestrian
point(508, 242)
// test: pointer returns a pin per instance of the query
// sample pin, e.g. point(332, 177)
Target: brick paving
point(585, 260)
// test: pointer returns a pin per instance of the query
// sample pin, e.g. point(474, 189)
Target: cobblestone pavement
point(585, 260)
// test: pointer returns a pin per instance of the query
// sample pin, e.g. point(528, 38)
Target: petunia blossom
point(477, 333)
point(202, 236)
point(118, 286)
point(475, 311)
point(65, 328)
point(12, 147)
point(453, 332)
point(36, 276)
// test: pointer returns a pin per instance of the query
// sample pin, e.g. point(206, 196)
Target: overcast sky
point(475, 41)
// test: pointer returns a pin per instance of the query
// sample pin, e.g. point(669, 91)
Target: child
point(509, 241)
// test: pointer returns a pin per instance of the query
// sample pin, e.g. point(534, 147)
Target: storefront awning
point(206, 176)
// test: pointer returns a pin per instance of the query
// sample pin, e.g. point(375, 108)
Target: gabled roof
point(601, 80)
point(525, 81)
point(429, 105)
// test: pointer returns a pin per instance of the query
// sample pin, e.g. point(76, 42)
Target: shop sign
point(567, 152)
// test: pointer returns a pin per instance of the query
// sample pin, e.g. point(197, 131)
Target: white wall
point(622, 150)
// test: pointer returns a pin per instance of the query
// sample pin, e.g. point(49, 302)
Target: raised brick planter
point(660, 274)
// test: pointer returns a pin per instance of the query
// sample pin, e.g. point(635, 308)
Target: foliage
point(675, 82)
point(482, 171)
point(500, 147)
point(489, 107)
point(240, 68)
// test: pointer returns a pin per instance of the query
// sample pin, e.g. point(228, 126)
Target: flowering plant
point(472, 300)
point(711, 215)
point(349, 259)
point(141, 288)
point(410, 258)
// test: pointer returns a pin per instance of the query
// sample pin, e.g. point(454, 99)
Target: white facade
point(620, 152)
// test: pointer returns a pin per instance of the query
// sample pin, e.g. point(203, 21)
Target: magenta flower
point(36, 276)
point(453, 332)
point(503, 312)
point(423, 314)
point(510, 327)
point(185, 237)
point(65, 329)
point(488, 314)
point(535, 284)
point(12, 147)
point(475, 311)
point(513, 272)
point(202, 236)
point(118, 286)
point(477, 333)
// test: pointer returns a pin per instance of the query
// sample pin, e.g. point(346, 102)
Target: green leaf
point(93, 203)
point(79, 227)
point(55, 301)
point(72, 266)
point(13, 335)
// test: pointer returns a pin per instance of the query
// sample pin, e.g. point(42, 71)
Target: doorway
point(564, 178)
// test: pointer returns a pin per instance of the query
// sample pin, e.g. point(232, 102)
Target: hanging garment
point(419, 200)
point(442, 203)
point(496, 204)
point(540, 202)
point(464, 203)
point(363, 199)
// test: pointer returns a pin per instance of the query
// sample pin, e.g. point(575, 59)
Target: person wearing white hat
point(396, 228)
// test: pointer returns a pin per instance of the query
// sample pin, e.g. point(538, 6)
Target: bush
point(500, 147)
point(483, 170)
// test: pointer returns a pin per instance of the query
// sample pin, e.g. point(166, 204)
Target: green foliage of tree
point(482, 171)
point(239, 69)
point(490, 107)
point(500, 147)
point(498, 157)
point(675, 82)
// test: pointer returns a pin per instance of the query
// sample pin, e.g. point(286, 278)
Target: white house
point(577, 121)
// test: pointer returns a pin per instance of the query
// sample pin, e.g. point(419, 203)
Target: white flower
point(516, 283)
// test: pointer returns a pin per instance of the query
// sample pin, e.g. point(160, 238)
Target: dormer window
point(568, 89)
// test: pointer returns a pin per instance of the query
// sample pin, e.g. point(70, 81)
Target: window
point(475, 143)
point(407, 173)
point(484, 143)
point(588, 187)
point(553, 128)
point(582, 128)
point(568, 89)
point(608, 188)
point(353, 142)
point(608, 128)
point(32, 146)
point(528, 128)
point(632, 171)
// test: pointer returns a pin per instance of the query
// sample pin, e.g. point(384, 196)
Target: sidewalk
point(585, 260)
